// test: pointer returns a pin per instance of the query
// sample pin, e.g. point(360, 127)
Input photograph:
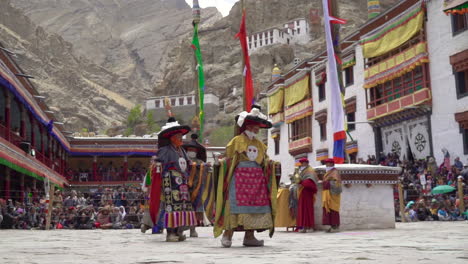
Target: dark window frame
point(464, 133)
point(349, 76)
point(277, 145)
point(398, 87)
point(322, 95)
point(461, 82)
point(301, 128)
point(456, 20)
point(323, 131)
point(351, 127)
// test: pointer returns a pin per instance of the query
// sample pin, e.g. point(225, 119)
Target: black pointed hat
point(171, 128)
point(201, 150)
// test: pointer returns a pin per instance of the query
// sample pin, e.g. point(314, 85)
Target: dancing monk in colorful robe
point(179, 213)
point(200, 182)
point(331, 196)
point(247, 186)
point(307, 191)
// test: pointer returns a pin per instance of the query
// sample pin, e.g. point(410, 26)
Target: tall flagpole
point(199, 119)
point(196, 19)
point(334, 10)
point(336, 98)
point(244, 103)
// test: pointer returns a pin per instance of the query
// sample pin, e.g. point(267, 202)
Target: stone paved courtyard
point(422, 242)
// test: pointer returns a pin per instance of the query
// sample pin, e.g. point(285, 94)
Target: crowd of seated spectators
point(105, 208)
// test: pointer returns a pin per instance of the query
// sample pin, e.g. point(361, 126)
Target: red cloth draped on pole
point(249, 91)
point(155, 193)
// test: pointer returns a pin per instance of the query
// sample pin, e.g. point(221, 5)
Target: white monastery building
point(292, 32)
point(405, 74)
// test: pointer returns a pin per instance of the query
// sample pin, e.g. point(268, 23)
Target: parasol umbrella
point(442, 189)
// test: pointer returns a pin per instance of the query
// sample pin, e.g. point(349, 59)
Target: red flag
point(155, 193)
point(249, 91)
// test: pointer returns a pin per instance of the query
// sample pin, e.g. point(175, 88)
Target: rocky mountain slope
point(114, 53)
point(90, 84)
point(128, 38)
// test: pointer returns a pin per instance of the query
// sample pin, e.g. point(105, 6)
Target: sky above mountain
point(224, 6)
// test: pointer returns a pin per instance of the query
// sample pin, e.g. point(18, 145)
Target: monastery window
point(300, 128)
point(320, 80)
point(157, 103)
point(297, 23)
point(298, 31)
point(261, 42)
point(173, 101)
point(321, 91)
point(277, 144)
point(323, 131)
point(351, 117)
point(271, 33)
point(349, 76)
point(266, 41)
point(459, 63)
point(37, 138)
point(321, 118)
point(459, 23)
point(271, 40)
point(189, 100)
point(181, 101)
point(255, 44)
point(461, 79)
point(462, 119)
point(465, 141)
point(250, 45)
point(398, 87)
point(350, 108)
point(46, 144)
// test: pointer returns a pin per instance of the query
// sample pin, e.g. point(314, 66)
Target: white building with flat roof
point(292, 32)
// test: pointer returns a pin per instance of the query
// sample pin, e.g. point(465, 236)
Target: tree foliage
point(152, 127)
point(134, 117)
point(220, 136)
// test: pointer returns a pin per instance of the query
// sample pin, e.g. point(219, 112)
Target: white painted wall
point(287, 161)
point(361, 207)
point(441, 44)
point(364, 133)
point(151, 102)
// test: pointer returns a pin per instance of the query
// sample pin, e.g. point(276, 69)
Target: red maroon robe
point(305, 214)
point(331, 218)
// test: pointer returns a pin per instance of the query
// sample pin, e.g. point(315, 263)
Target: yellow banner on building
point(393, 35)
point(275, 102)
point(396, 65)
point(296, 91)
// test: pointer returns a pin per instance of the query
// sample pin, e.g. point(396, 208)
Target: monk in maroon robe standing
point(331, 197)
point(307, 190)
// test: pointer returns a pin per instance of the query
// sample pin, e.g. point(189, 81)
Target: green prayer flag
point(201, 78)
